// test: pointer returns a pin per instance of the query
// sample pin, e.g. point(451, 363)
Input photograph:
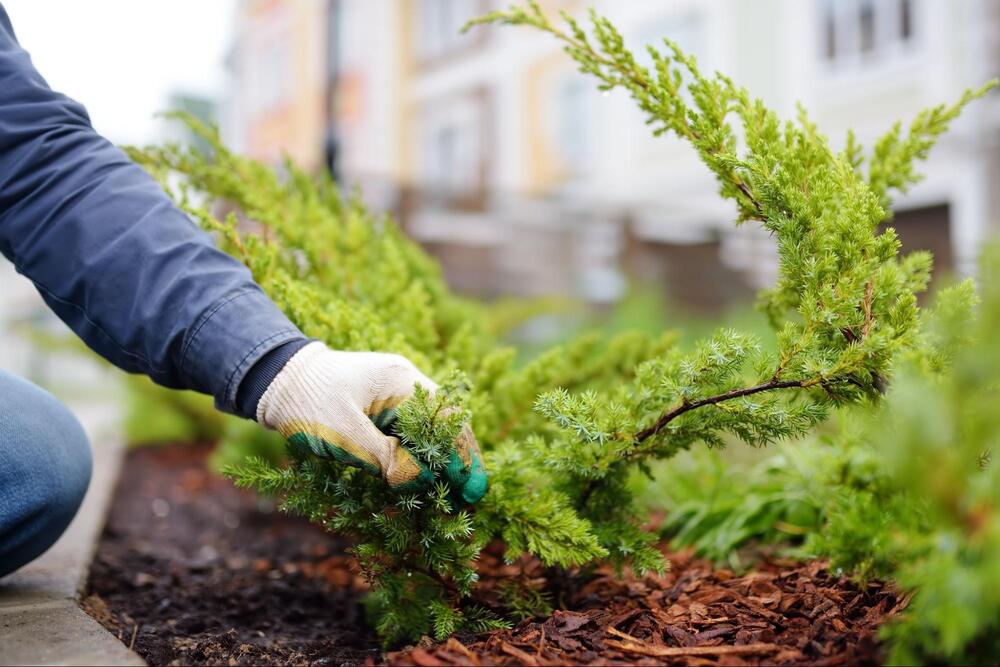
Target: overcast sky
point(123, 58)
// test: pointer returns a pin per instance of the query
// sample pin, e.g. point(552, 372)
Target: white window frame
point(890, 45)
point(570, 121)
point(464, 118)
point(438, 26)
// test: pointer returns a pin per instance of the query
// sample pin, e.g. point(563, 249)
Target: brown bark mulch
point(191, 570)
point(781, 613)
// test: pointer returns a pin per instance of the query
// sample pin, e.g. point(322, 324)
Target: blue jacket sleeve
point(110, 254)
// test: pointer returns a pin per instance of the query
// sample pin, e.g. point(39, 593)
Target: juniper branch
point(687, 406)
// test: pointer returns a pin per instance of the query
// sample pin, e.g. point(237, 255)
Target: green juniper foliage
point(829, 495)
point(907, 492)
point(428, 427)
point(357, 283)
point(563, 433)
point(939, 521)
point(844, 304)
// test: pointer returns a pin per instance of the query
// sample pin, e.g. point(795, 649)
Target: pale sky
point(123, 58)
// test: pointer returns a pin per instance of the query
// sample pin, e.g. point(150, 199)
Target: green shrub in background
point(563, 433)
point(157, 415)
point(825, 496)
point(936, 436)
point(928, 516)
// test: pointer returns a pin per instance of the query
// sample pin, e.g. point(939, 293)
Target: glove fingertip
point(477, 485)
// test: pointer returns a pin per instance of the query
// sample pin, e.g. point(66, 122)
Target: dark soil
point(782, 613)
point(192, 570)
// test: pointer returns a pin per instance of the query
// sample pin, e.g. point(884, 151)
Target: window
point(440, 23)
point(451, 144)
point(571, 127)
point(906, 19)
point(444, 159)
point(858, 32)
point(829, 30)
point(684, 29)
point(334, 38)
point(866, 23)
point(273, 83)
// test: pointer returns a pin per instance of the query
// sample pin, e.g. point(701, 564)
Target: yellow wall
point(545, 167)
point(406, 109)
point(297, 126)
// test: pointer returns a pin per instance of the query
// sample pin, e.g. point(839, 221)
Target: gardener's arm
point(150, 292)
point(110, 254)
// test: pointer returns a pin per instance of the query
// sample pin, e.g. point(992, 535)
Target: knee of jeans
point(54, 463)
point(71, 474)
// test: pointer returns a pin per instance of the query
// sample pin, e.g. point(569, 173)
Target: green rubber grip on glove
point(467, 483)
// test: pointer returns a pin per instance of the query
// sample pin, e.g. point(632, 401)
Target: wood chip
point(525, 658)
point(677, 651)
point(455, 645)
point(422, 658)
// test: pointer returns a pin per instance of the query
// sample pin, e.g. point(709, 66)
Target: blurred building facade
point(509, 165)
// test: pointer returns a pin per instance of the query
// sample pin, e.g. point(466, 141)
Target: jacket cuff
point(260, 376)
point(229, 339)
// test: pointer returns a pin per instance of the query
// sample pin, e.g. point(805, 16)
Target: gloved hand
point(322, 399)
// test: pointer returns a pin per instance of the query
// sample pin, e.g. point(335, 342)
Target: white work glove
point(321, 401)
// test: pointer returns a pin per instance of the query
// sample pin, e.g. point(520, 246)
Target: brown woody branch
point(774, 382)
point(668, 417)
point(673, 414)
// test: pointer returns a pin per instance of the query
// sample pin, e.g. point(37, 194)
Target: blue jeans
point(44, 470)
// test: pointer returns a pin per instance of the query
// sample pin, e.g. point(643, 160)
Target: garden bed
point(193, 570)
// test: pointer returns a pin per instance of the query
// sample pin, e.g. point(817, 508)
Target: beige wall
point(291, 120)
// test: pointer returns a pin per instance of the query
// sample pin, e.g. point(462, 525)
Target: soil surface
point(191, 570)
point(781, 613)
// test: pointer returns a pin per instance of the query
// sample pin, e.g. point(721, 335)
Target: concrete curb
point(41, 622)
